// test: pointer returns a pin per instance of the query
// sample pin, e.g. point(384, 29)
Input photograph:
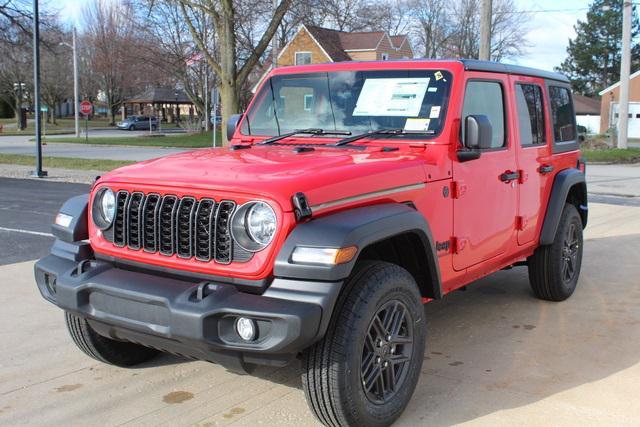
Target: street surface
point(23, 145)
point(495, 355)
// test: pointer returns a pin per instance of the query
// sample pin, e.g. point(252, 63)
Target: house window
point(303, 58)
point(308, 102)
point(384, 56)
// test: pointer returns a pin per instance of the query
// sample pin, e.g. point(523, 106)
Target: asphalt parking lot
point(495, 355)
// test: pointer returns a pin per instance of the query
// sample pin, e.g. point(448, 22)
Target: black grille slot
point(170, 225)
point(150, 223)
point(223, 241)
point(134, 220)
point(119, 224)
point(203, 230)
point(184, 227)
point(166, 228)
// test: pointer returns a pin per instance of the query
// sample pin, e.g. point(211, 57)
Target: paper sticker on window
point(432, 89)
point(438, 75)
point(391, 97)
point(435, 112)
point(417, 124)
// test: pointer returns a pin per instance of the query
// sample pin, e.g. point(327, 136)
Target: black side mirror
point(232, 123)
point(477, 132)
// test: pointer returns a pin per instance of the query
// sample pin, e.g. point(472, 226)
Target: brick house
point(313, 45)
point(609, 100)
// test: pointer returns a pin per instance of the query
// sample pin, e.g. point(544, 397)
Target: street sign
point(86, 107)
point(44, 108)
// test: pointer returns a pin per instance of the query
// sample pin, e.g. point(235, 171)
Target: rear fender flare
point(564, 181)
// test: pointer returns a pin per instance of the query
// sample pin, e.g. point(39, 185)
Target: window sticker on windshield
point(435, 112)
point(391, 97)
point(438, 75)
point(417, 124)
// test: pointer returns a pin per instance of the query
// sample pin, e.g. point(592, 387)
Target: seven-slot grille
point(171, 225)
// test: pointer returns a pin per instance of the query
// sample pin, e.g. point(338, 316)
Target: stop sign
point(86, 107)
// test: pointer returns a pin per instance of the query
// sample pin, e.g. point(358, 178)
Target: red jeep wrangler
point(351, 194)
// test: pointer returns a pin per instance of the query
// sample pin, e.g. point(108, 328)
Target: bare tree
point(432, 27)
point(229, 64)
point(56, 81)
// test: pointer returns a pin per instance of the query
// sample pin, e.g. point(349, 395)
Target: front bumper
point(187, 317)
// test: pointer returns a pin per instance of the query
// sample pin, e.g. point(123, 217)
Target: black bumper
point(194, 319)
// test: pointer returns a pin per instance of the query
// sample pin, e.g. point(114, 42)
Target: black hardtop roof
point(497, 67)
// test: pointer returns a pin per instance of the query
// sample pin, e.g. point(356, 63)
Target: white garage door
point(634, 118)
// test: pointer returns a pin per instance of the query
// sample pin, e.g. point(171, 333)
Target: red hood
point(278, 172)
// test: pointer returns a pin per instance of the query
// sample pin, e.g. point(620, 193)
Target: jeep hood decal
point(324, 175)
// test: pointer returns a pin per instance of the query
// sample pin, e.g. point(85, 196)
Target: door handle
point(544, 169)
point(509, 176)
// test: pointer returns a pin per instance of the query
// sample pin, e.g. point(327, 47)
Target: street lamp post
point(76, 113)
point(38, 173)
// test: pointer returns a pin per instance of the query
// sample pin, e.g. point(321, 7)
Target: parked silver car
point(138, 123)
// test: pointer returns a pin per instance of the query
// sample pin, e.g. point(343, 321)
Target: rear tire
point(365, 369)
point(132, 127)
point(554, 269)
point(119, 353)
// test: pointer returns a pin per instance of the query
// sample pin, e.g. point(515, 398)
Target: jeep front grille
point(171, 225)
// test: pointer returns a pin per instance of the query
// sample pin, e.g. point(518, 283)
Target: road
point(23, 145)
point(27, 210)
point(495, 355)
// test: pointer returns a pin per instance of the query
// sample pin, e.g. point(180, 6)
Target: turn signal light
point(324, 256)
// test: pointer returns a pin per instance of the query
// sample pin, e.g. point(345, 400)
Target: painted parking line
point(19, 230)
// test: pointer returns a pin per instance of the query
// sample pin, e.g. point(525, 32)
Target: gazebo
point(167, 103)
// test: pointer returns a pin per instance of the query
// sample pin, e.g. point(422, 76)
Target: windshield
point(355, 101)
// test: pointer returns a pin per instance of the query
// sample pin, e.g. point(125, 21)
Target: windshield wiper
point(310, 131)
point(351, 139)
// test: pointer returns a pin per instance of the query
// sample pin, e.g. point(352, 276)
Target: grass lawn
point(198, 140)
point(64, 162)
point(613, 155)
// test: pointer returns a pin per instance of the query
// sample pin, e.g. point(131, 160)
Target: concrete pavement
point(495, 356)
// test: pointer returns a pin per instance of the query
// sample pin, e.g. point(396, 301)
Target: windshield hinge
point(301, 207)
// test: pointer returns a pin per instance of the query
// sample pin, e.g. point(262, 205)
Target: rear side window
point(485, 98)
point(564, 128)
point(530, 114)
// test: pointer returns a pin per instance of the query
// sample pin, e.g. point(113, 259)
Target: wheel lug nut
point(388, 337)
point(393, 350)
point(385, 364)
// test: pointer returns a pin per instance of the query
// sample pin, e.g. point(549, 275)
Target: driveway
point(495, 355)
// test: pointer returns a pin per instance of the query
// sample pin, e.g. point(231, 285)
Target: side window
point(530, 114)
point(564, 128)
point(485, 98)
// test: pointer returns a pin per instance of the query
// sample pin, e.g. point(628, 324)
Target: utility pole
point(274, 41)
point(76, 113)
point(485, 30)
point(38, 173)
point(625, 69)
point(76, 100)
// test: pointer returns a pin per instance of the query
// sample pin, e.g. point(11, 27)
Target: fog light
point(246, 328)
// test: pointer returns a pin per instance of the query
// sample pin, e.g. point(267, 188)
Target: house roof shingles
point(160, 95)
point(584, 105)
point(335, 42)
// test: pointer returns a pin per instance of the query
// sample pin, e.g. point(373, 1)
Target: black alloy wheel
point(387, 351)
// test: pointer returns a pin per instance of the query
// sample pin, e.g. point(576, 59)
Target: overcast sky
point(548, 32)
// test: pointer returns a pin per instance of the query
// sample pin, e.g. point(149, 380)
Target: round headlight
point(253, 226)
point(104, 208)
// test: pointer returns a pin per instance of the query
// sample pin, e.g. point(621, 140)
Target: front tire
point(119, 353)
point(365, 369)
point(554, 269)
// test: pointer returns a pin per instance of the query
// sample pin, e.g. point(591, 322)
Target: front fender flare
point(359, 227)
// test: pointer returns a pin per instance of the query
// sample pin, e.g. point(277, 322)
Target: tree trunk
point(230, 102)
